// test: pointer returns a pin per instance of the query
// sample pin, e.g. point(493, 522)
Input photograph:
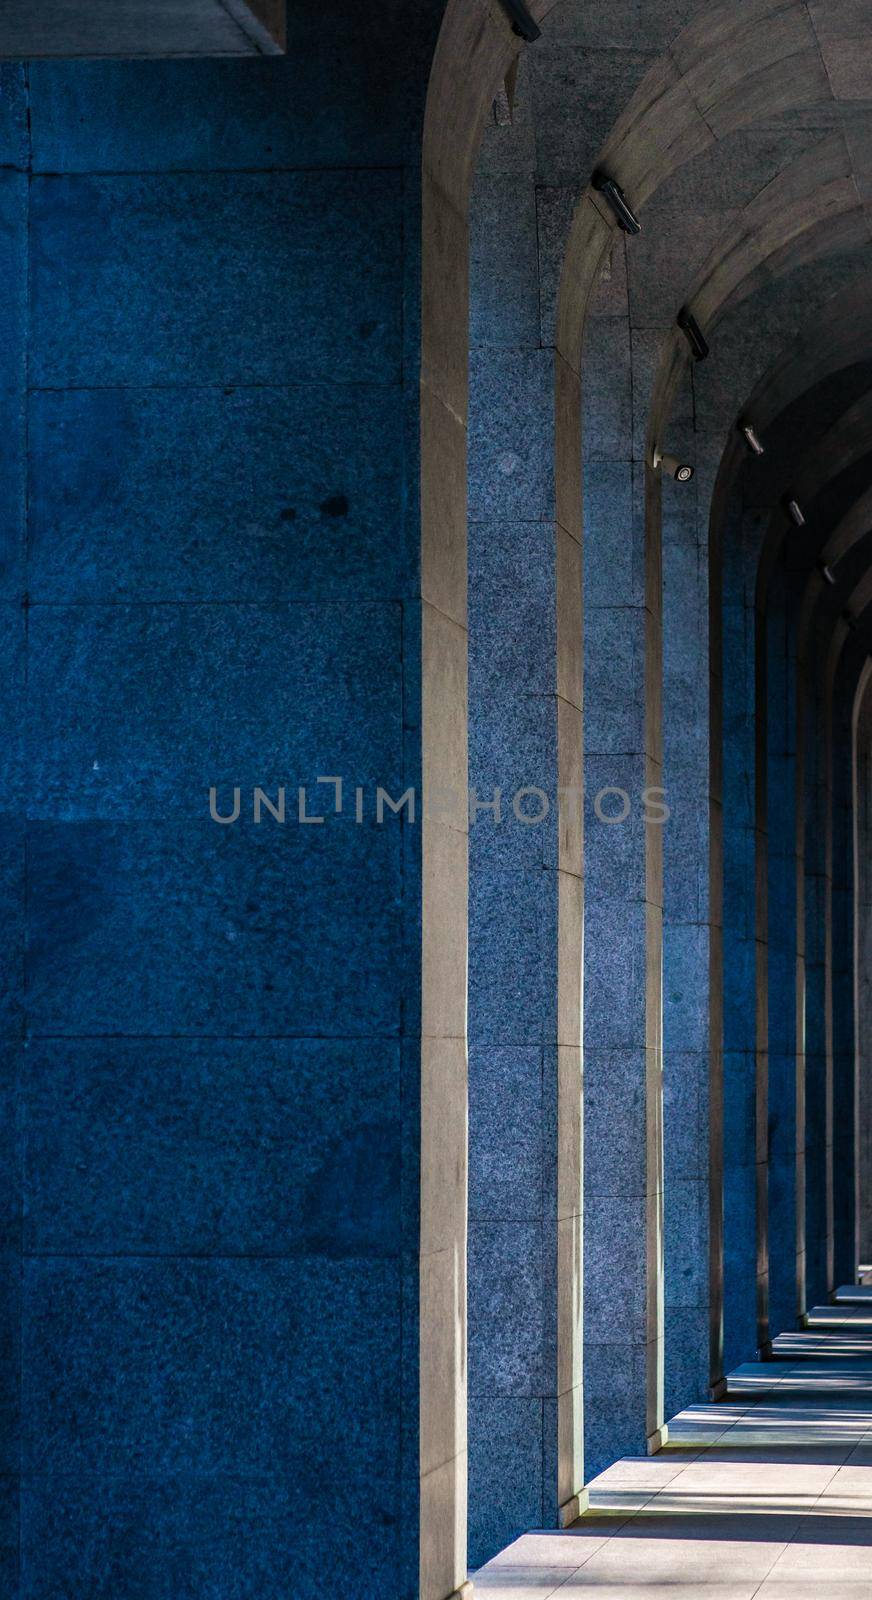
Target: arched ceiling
point(669, 106)
point(809, 211)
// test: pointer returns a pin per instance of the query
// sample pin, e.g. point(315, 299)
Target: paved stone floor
point(767, 1493)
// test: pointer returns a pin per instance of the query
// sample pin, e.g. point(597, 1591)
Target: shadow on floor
point(764, 1495)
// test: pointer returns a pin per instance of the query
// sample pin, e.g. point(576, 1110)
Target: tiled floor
point(766, 1494)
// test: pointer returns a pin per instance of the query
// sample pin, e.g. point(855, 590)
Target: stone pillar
point(814, 901)
point(525, 877)
point(623, 966)
point(785, 1120)
point(847, 1127)
point(687, 1100)
point(863, 947)
point(743, 831)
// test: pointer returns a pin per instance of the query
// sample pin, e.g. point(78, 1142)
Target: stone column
point(623, 966)
point(785, 1118)
point(863, 948)
point(525, 881)
point(848, 1130)
point(743, 830)
point(814, 898)
point(687, 1096)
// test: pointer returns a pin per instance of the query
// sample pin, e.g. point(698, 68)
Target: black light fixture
point(826, 572)
point(795, 512)
point(522, 23)
point(614, 194)
point(693, 333)
point(752, 438)
point(681, 471)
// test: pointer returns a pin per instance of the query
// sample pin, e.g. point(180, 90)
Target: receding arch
point(724, 71)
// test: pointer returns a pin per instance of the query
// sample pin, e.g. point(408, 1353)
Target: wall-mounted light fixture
point(614, 194)
point(693, 333)
point(681, 471)
point(826, 572)
point(522, 23)
point(795, 512)
point(752, 438)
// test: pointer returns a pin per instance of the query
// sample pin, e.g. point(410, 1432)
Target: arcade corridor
point(436, 825)
point(766, 1496)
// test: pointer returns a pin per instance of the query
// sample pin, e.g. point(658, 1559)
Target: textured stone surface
point(208, 1532)
point(505, 1446)
point(513, 639)
point(12, 494)
point(505, 1121)
point(189, 928)
point(276, 507)
point(130, 116)
point(615, 577)
point(157, 704)
point(566, 76)
point(614, 1123)
point(165, 1147)
point(614, 1379)
point(505, 308)
point(129, 279)
point(12, 927)
point(212, 1363)
point(505, 1327)
point(511, 471)
point(615, 1306)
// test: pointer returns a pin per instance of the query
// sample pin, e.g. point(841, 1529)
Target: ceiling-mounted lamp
point(520, 20)
point(752, 438)
point(795, 513)
point(693, 333)
point(681, 471)
point(522, 23)
point(614, 194)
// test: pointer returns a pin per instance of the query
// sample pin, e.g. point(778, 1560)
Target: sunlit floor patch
point(765, 1495)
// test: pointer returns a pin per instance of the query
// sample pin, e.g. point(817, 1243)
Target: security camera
point(681, 471)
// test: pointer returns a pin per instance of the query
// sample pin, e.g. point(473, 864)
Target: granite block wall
point(209, 578)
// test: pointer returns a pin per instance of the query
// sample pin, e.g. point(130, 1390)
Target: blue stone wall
point(209, 577)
